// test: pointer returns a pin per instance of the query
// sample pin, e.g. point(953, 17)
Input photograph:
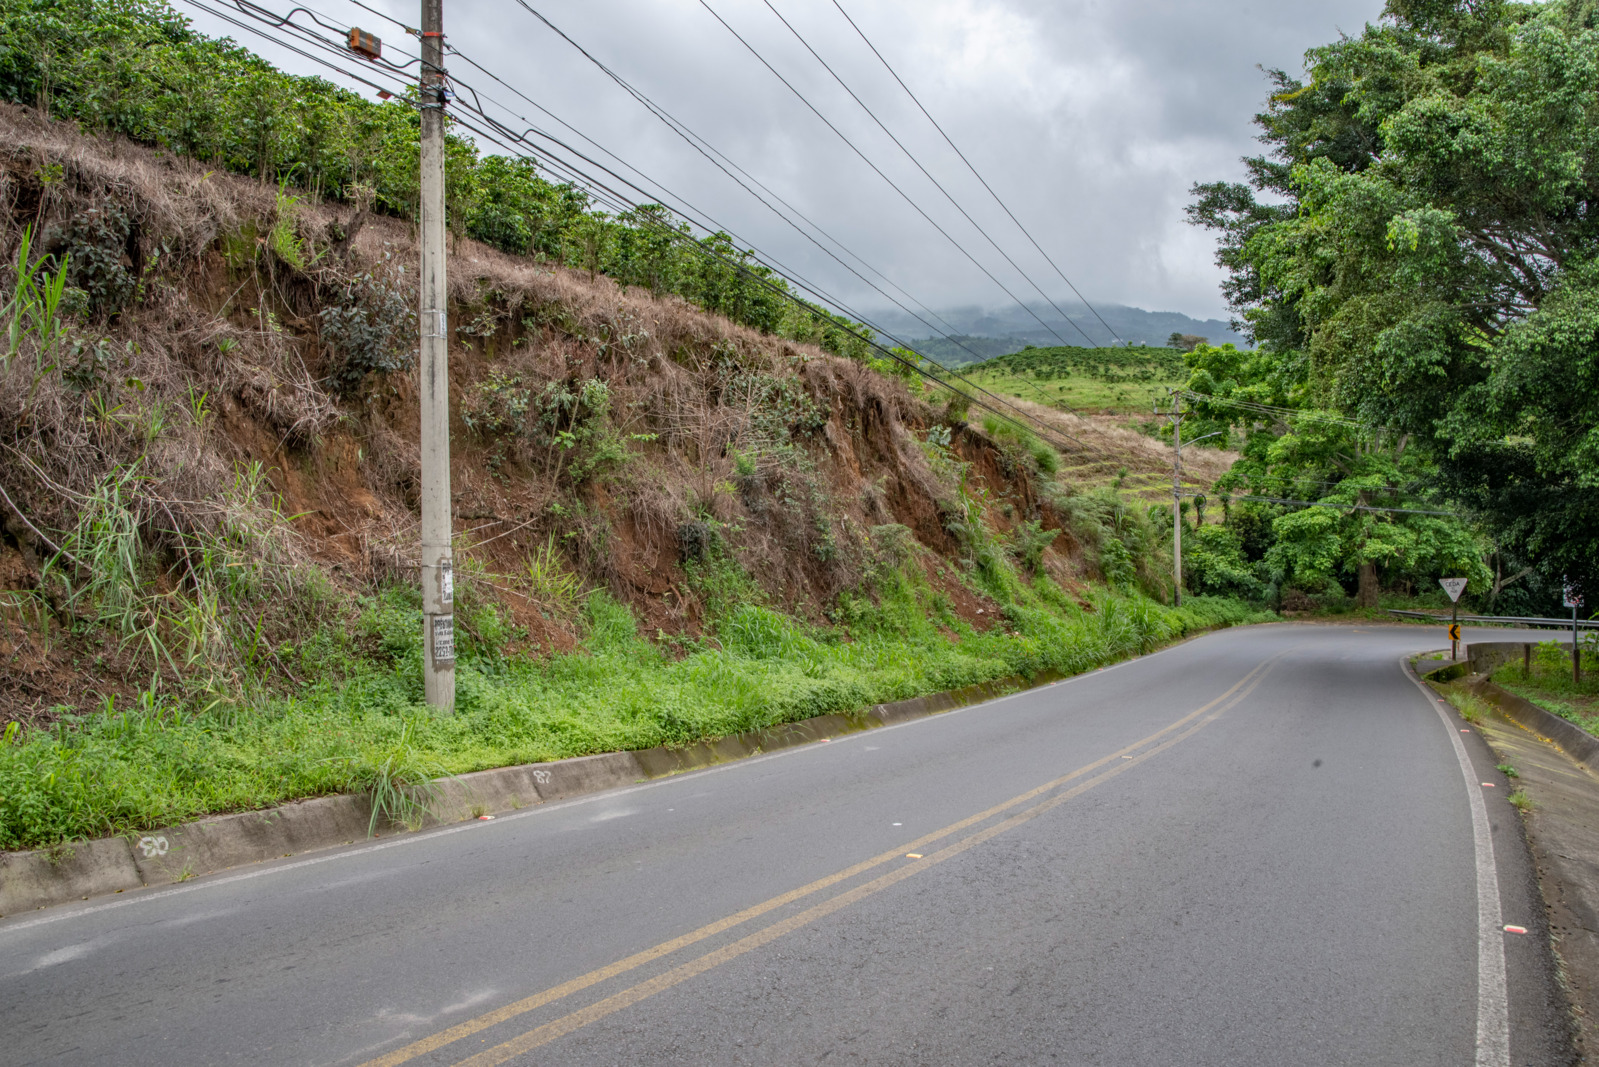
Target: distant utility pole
point(1176, 415)
point(438, 578)
point(1573, 600)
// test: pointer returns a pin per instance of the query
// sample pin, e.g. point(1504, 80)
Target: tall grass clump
point(1472, 708)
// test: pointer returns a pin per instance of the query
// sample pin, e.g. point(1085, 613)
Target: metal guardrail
point(1498, 620)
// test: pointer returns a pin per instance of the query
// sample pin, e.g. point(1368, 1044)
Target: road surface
point(1263, 846)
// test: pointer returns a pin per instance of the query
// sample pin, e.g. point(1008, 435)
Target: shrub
point(497, 225)
point(368, 327)
point(95, 244)
point(1213, 563)
point(1028, 542)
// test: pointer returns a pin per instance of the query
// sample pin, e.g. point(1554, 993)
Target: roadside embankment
point(84, 869)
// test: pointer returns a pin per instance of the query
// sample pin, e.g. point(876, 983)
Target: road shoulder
point(1561, 824)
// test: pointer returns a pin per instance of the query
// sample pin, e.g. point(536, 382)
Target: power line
point(784, 272)
point(708, 150)
point(936, 183)
point(878, 171)
point(1036, 428)
point(384, 15)
point(271, 19)
point(722, 162)
point(975, 173)
point(1325, 504)
point(616, 199)
point(1286, 413)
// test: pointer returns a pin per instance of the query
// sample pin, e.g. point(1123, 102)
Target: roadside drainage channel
point(1482, 659)
point(84, 869)
point(1570, 738)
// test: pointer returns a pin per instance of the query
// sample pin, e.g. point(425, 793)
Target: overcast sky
point(1090, 118)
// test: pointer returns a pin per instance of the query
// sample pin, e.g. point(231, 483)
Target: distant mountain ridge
point(986, 333)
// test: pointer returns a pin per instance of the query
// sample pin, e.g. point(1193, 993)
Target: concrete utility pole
point(1573, 600)
point(1576, 649)
point(438, 578)
point(1176, 416)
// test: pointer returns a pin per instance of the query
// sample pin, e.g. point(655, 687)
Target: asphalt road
point(1257, 847)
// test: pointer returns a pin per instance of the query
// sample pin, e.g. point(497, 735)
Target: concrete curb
point(39, 879)
point(1488, 656)
point(1446, 672)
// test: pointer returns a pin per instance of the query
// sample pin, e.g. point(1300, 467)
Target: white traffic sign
point(1453, 586)
point(1570, 597)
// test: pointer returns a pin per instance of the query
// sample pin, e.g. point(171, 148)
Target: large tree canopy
point(1418, 249)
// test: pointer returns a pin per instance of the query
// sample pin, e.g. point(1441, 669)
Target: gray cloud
point(1091, 119)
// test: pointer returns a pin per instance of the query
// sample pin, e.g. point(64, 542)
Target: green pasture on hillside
point(1084, 379)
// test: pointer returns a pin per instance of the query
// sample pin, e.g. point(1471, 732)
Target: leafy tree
point(1368, 518)
point(1214, 564)
point(1416, 250)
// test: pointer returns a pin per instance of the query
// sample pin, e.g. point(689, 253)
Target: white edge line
point(1493, 1001)
point(338, 852)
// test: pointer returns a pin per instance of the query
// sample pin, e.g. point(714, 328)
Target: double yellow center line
point(1120, 760)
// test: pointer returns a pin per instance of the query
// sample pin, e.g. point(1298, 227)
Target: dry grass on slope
point(1100, 446)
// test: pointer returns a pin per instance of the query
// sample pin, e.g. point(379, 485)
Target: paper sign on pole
point(1453, 586)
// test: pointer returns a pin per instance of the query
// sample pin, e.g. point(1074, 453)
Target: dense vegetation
point(1417, 252)
point(1372, 516)
point(1114, 365)
point(135, 68)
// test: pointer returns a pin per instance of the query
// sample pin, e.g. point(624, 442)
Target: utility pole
point(438, 578)
point(1573, 600)
point(1176, 416)
point(1576, 649)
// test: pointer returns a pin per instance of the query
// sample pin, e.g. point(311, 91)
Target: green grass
point(364, 727)
point(1087, 379)
point(1472, 708)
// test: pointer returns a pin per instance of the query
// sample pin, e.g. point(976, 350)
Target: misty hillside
point(998, 332)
